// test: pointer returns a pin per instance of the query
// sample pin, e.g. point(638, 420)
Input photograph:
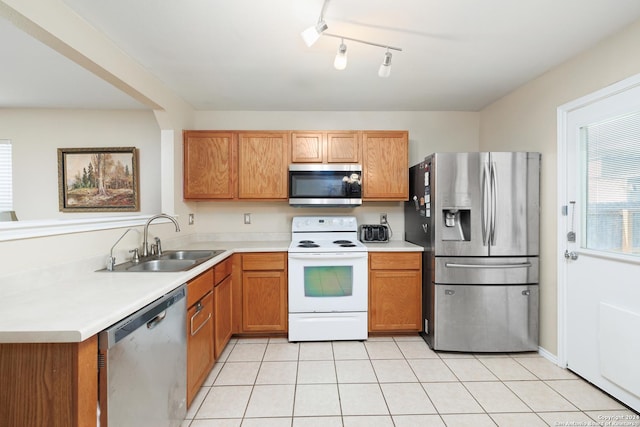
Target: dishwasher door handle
point(156, 320)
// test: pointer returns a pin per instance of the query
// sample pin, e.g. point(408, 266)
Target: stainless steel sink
point(178, 260)
point(188, 255)
point(163, 265)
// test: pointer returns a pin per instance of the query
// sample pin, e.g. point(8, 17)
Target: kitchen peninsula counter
point(67, 305)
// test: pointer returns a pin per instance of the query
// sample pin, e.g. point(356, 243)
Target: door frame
point(563, 113)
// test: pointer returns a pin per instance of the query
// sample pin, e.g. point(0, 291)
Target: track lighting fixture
point(340, 63)
point(313, 33)
point(385, 67)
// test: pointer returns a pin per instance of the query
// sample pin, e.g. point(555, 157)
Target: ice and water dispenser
point(456, 224)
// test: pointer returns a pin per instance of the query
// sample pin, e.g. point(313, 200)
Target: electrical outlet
point(383, 218)
point(247, 218)
point(192, 219)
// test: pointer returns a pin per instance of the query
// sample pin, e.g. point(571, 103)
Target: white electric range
point(328, 280)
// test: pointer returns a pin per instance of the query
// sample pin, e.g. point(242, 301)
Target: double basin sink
point(169, 261)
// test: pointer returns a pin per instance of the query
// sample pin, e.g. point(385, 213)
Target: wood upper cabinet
point(385, 165)
point(200, 329)
point(263, 165)
point(209, 165)
point(325, 147)
point(253, 165)
point(264, 292)
point(395, 291)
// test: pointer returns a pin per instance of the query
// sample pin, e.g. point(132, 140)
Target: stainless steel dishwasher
point(143, 364)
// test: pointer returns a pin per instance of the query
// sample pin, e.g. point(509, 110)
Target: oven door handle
point(328, 255)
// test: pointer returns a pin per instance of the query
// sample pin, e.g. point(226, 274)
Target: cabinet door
point(343, 147)
point(209, 165)
point(307, 147)
point(263, 160)
point(264, 301)
point(395, 300)
point(49, 384)
point(325, 147)
point(200, 357)
point(385, 165)
point(395, 291)
point(223, 315)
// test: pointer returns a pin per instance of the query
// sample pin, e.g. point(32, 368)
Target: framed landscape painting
point(98, 179)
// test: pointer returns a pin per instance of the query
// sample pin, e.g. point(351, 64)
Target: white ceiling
point(248, 55)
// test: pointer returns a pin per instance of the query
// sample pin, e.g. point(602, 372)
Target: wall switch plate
point(383, 218)
point(247, 218)
point(192, 219)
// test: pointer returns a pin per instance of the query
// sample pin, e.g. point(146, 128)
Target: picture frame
point(98, 179)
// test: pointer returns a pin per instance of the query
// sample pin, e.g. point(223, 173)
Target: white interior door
point(600, 273)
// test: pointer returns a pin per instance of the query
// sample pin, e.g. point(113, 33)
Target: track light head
point(385, 68)
point(340, 63)
point(312, 34)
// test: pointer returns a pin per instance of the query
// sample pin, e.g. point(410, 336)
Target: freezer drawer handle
point(520, 265)
point(449, 292)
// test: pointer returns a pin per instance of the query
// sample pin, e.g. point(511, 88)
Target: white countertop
point(72, 308)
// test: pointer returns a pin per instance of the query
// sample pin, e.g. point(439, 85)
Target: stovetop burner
point(308, 244)
point(342, 242)
point(348, 245)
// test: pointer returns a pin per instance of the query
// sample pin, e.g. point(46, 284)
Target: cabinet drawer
point(222, 270)
point(199, 286)
point(264, 261)
point(395, 260)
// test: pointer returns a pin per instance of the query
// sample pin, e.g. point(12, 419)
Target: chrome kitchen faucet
point(145, 244)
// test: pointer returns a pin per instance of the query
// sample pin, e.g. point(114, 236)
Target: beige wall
point(54, 24)
point(525, 120)
point(37, 134)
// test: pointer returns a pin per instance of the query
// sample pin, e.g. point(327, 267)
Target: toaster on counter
point(374, 233)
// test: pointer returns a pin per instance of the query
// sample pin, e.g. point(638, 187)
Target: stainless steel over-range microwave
point(313, 184)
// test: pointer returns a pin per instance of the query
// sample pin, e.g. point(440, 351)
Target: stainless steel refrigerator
point(477, 216)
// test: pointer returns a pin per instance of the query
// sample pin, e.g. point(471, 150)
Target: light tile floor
point(392, 381)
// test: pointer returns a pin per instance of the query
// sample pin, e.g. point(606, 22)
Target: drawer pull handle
point(201, 325)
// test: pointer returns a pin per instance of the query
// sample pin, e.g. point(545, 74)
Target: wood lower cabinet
point(264, 292)
point(325, 147)
point(263, 165)
point(49, 384)
point(209, 165)
point(200, 326)
point(223, 303)
point(385, 165)
point(395, 292)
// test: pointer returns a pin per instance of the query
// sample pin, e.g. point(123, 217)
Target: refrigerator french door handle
point(485, 205)
point(457, 265)
point(494, 204)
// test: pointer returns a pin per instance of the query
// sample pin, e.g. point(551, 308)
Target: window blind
point(6, 181)
point(611, 152)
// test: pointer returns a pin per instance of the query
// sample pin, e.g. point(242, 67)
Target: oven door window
point(328, 281)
